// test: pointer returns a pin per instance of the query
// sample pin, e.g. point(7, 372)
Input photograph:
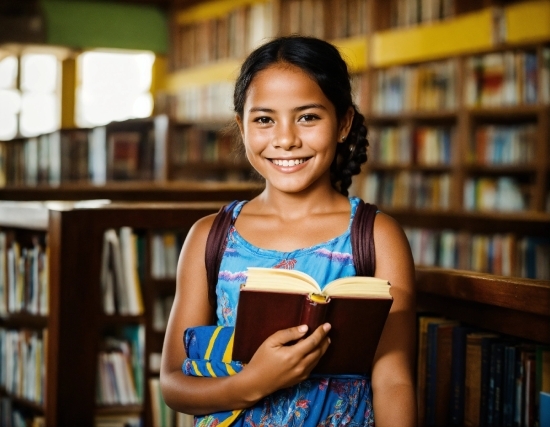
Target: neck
point(320, 199)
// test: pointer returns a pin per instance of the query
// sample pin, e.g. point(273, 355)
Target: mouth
point(289, 162)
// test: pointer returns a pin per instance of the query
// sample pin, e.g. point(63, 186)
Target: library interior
point(112, 145)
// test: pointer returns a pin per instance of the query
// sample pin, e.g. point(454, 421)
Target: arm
point(274, 365)
point(393, 380)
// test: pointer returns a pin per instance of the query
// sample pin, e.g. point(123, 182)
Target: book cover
point(351, 315)
point(458, 369)
point(124, 155)
point(487, 381)
point(439, 372)
point(472, 378)
point(422, 362)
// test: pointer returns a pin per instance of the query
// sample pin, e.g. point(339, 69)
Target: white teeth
point(292, 162)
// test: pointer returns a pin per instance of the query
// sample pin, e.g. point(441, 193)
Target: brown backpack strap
point(362, 239)
point(215, 247)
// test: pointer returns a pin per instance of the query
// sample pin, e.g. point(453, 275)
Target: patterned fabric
point(317, 401)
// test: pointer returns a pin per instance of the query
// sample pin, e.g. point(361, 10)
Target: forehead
point(284, 82)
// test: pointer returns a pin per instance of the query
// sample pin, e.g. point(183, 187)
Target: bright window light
point(39, 73)
point(38, 113)
point(10, 98)
point(40, 100)
point(113, 86)
point(8, 72)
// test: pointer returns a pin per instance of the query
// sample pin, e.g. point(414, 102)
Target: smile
point(289, 162)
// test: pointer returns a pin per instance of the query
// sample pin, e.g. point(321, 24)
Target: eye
point(263, 120)
point(308, 118)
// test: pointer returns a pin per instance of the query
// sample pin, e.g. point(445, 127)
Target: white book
point(3, 275)
point(54, 142)
point(128, 246)
point(97, 155)
point(117, 268)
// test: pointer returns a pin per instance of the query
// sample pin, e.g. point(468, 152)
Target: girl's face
point(289, 128)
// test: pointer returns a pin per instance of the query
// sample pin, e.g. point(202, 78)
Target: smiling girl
point(303, 134)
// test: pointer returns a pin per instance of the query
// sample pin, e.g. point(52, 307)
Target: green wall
point(92, 24)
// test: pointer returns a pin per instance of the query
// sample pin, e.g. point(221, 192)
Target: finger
point(315, 340)
point(285, 336)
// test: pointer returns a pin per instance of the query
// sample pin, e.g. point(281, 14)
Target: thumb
point(289, 335)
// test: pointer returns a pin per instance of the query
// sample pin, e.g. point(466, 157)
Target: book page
point(279, 280)
point(359, 286)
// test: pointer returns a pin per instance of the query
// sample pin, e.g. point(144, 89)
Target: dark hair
point(322, 61)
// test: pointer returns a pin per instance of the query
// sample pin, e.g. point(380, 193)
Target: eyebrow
point(297, 109)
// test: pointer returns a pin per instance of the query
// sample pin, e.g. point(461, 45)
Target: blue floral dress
point(318, 401)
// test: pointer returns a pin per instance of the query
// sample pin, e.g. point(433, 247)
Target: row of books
point(120, 275)
point(78, 155)
point(406, 13)
point(504, 144)
point(494, 194)
point(406, 189)
point(243, 28)
point(121, 367)
point(165, 249)
point(161, 312)
point(194, 144)
point(214, 101)
point(428, 87)
point(348, 18)
point(470, 377)
point(230, 36)
point(24, 280)
point(162, 415)
point(423, 145)
point(22, 366)
point(203, 102)
point(11, 416)
point(502, 254)
point(500, 79)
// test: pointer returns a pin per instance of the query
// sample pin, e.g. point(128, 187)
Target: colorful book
point(354, 306)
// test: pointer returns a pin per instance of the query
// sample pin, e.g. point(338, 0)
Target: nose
point(286, 137)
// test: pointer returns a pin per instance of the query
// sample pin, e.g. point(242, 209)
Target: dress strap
point(362, 239)
point(215, 247)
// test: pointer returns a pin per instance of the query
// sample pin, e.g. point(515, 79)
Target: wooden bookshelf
point(75, 322)
point(137, 191)
point(518, 307)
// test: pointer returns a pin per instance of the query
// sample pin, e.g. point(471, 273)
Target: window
point(29, 94)
point(113, 86)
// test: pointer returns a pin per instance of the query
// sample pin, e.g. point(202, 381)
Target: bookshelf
point(456, 97)
point(73, 327)
point(483, 343)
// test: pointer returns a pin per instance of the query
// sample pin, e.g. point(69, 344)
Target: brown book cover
point(357, 322)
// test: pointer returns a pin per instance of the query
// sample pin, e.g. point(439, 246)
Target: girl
point(303, 134)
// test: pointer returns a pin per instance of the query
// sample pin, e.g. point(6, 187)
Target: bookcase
point(483, 348)
point(456, 96)
point(53, 310)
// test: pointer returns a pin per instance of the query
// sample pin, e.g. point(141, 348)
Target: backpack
point(362, 243)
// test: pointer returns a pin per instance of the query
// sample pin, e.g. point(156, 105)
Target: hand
point(275, 365)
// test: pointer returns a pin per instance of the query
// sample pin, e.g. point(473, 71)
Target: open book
point(275, 299)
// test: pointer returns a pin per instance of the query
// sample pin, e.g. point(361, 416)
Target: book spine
point(313, 314)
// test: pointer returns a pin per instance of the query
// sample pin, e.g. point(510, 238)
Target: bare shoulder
point(200, 229)
point(393, 254)
point(388, 233)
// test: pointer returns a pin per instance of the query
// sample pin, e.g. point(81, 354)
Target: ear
point(345, 124)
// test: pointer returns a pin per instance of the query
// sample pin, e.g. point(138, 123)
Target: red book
point(275, 299)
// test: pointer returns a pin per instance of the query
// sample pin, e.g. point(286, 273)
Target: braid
point(350, 155)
